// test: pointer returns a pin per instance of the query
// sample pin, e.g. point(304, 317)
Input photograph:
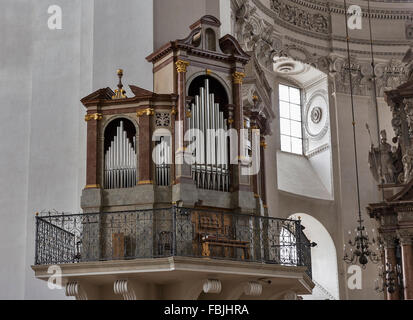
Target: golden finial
point(119, 93)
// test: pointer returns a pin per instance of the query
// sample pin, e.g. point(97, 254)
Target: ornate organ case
point(197, 85)
point(206, 72)
point(137, 149)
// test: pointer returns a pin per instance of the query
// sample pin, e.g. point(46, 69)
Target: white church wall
point(169, 27)
point(97, 38)
point(368, 189)
point(15, 81)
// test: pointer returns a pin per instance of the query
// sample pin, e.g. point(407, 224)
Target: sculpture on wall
point(384, 160)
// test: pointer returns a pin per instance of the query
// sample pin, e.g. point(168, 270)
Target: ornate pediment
point(230, 45)
point(101, 94)
point(138, 91)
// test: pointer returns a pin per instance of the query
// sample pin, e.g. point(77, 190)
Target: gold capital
point(238, 77)
point(181, 65)
point(147, 111)
point(94, 116)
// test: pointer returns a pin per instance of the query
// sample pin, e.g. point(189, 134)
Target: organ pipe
point(163, 160)
point(120, 161)
point(211, 169)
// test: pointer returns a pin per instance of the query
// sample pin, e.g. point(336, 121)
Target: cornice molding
point(318, 150)
point(259, 36)
point(326, 36)
point(338, 8)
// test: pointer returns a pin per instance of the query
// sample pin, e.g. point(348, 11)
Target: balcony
point(200, 241)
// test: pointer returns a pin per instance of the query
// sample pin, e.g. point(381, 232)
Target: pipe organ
point(162, 161)
point(198, 84)
point(120, 161)
point(211, 168)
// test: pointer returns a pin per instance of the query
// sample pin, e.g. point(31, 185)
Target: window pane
point(285, 143)
point(283, 93)
point(285, 126)
point(295, 112)
point(295, 95)
point(296, 129)
point(284, 109)
point(290, 119)
point(296, 145)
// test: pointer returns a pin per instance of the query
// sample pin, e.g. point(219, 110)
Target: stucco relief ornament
point(299, 17)
point(396, 121)
point(407, 166)
point(408, 109)
point(316, 114)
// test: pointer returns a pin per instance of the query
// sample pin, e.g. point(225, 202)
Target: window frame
point(290, 119)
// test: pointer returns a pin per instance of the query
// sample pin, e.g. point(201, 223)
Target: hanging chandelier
point(361, 248)
point(389, 278)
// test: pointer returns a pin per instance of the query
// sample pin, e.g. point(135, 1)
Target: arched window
point(288, 247)
point(120, 154)
point(210, 39)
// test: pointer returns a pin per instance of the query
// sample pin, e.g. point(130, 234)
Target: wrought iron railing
point(154, 233)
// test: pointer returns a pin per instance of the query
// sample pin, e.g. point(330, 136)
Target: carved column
point(183, 170)
point(145, 146)
point(238, 182)
point(406, 241)
point(92, 147)
point(181, 66)
point(263, 146)
point(390, 256)
point(255, 179)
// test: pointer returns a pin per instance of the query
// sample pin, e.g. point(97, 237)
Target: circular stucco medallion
point(316, 114)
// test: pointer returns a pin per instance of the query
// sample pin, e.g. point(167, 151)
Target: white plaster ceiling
point(295, 71)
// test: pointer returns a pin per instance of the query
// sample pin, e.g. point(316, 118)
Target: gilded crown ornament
point(119, 93)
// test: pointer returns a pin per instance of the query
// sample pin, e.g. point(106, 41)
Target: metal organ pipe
point(211, 170)
point(162, 158)
point(120, 161)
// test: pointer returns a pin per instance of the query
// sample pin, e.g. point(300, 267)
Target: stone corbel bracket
point(125, 288)
point(81, 290)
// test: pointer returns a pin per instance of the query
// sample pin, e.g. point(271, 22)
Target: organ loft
point(174, 228)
